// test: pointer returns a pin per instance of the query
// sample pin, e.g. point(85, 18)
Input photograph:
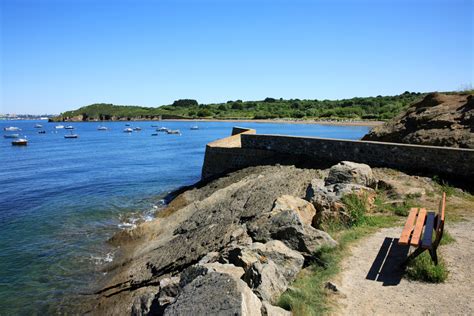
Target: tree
point(269, 100)
point(185, 103)
point(237, 106)
point(204, 113)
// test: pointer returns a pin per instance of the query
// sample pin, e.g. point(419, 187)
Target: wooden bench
point(419, 229)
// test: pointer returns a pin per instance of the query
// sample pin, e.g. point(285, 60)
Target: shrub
point(357, 207)
point(204, 113)
point(423, 269)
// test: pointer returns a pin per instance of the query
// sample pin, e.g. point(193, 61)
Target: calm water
point(60, 199)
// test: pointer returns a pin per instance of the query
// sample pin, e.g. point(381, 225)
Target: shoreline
point(289, 121)
point(272, 121)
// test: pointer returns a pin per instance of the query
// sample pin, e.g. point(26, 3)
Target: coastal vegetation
point(311, 293)
point(359, 108)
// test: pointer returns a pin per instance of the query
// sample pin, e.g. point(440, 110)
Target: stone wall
point(227, 154)
point(250, 149)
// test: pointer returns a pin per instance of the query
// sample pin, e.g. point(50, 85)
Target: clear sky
point(58, 55)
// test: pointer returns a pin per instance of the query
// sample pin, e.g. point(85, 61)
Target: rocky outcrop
point(438, 120)
point(344, 178)
point(231, 246)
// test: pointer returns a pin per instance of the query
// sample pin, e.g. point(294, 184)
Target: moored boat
point(195, 127)
point(69, 127)
point(38, 126)
point(162, 129)
point(42, 132)
point(71, 135)
point(59, 127)
point(102, 128)
point(20, 142)
point(137, 128)
point(128, 130)
point(154, 134)
point(12, 129)
point(173, 131)
point(11, 135)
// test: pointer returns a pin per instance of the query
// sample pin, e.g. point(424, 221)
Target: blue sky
point(59, 55)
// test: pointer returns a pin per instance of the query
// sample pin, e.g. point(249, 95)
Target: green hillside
point(368, 108)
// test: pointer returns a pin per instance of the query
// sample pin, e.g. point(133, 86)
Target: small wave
point(99, 260)
point(131, 220)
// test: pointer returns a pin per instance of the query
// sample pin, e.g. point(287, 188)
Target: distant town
point(25, 116)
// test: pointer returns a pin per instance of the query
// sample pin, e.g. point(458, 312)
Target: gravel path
point(362, 296)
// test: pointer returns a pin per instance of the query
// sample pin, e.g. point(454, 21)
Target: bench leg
point(418, 251)
point(434, 256)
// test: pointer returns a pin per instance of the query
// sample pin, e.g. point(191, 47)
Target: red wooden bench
point(419, 229)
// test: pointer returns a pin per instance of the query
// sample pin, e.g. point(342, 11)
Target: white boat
point(102, 128)
point(20, 142)
point(11, 135)
point(162, 129)
point(69, 127)
point(195, 127)
point(38, 126)
point(59, 127)
point(12, 129)
point(173, 131)
point(128, 130)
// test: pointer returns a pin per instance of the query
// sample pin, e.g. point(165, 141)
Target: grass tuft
point(357, 207)
point(447, 238)
point(423, 269)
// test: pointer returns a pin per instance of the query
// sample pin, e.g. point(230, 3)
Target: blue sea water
point(61, 199)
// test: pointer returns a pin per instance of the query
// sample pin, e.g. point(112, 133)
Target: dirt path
point(362, 296)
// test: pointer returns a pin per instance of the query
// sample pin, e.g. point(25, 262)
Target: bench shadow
point(386, 267)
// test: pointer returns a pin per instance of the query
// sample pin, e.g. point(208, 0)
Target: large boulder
point(438, 120)
point(288, 226)
point(303, 208)
point(343, 179)
point(351, 172)
point(289, 262)
point(266, 280)
point(216, 293)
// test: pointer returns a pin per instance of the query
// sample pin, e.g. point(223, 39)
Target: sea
point(62, 199)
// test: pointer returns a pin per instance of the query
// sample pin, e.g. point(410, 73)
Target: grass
point(444, 186)
point(447, 238)
point(423, 269)
point(399, 209)
point(307, 296)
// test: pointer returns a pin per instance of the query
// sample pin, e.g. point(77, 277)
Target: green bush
point(357, 207)
point(204, 113)
point(423, 269)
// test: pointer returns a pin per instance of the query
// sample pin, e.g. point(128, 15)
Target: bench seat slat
point(420, 222)
point(408, 229)
point(428, 234)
